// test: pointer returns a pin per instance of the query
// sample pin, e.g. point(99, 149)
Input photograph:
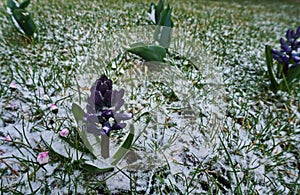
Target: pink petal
point(43, 158)
point(8, 138)
point(53, 108)
point(64, 132)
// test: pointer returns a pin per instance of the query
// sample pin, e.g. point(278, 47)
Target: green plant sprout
point(286, 71)
point(161, 17)
point(20, 18)
point(101, 117)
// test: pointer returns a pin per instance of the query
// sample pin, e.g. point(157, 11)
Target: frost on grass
point(183, 153)
point(178, 113)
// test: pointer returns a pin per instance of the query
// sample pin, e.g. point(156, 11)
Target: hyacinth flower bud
point(286, 48)
point(289, 35)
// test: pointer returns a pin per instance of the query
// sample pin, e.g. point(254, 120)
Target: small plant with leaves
point(286, 71)
point(20, 17)
point(102, 116)
point(161, 17)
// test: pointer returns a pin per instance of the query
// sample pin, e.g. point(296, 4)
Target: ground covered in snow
point(205, 122)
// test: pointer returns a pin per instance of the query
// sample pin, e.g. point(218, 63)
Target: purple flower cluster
point(289, 55)
point(102, 109)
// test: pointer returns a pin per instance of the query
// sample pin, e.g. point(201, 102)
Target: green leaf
point(162, 35)
point(120, 153)
point(91, 142)
point(269, 61)
point(284, 85)
point(163, 31)
point(21, 15)
point(158, 9)
point(151, 5)
point(65, 150)
point(97, 167)
point(85, 138)
point(77, 112)
point(148, 52)
point(165, 18)
point(138, 44)
point(287, 81)
point(78, 115)
point(12, 5)
point(293, 73)
point(24, 4)
point(60, 147)
point(23, 23)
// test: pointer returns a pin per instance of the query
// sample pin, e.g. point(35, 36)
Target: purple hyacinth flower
point(289, 54)
point(277, 53)
point(282, 41)
point(289, 35)
point(122, 116)
point(103, 108)
point(118, 126)
point(101, 93)
point(286, 48)
point(117, 99)
point(297, 35)
point(296, 57)
point(297, 46)
point(106, 114)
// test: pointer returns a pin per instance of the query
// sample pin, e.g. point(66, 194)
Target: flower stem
point(105, 146)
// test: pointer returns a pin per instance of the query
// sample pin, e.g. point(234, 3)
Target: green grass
point(252, 148)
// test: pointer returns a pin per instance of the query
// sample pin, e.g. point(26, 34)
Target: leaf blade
point(148, 52)
point(269, 61)
point(124, 148)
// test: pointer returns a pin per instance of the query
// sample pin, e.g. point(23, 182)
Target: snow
point(176, 140)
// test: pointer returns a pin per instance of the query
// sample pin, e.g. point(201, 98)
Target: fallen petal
point(64, 132)
point(43, 158)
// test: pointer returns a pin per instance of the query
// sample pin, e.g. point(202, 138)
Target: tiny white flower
point(43, 158)
point(64, 132)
